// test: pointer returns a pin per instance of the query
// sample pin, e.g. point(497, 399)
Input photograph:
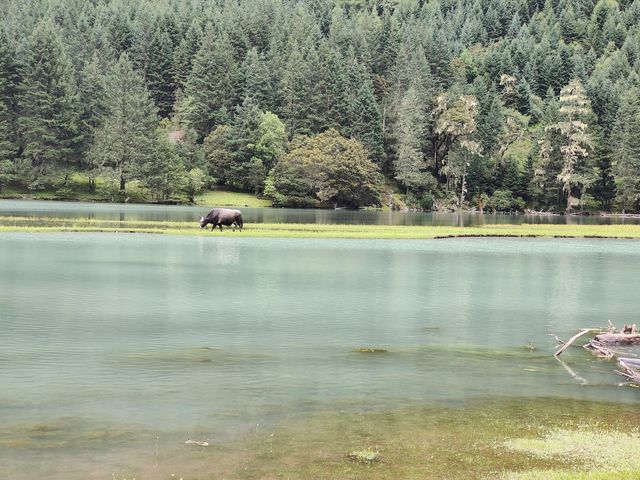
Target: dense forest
point(433, 104)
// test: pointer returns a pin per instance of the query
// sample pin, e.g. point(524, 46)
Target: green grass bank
point(295, 230)
point(77, 189)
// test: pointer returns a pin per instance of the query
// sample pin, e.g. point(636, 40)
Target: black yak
point(222, 216)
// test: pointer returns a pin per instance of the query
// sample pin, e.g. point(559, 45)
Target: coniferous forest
point(486, 104)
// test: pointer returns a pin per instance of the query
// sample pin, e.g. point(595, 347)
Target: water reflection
point(163, 213)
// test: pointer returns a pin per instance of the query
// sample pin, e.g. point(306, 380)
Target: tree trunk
point(618, 338)
point(123, 183)
point(464, 182)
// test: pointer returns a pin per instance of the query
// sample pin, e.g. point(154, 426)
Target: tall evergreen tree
point(212, 85)
point(626, 150)
point(294, 91)
point(183, 56)
point(159, 72)
point(125, 139)
point(257, 80)
point(8, 107)
point(49, 108)
point(604, 187)
point(410, 166)
point(163, 171)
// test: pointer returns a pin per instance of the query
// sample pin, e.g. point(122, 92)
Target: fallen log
point(617, 338)
point(634, 362)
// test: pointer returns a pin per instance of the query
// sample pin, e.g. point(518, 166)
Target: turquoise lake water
point(116, 340)
point(137, 212)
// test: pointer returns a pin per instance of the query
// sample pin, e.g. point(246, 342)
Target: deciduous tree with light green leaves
point(327, 169)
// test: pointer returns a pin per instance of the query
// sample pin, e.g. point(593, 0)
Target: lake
point(118, 343)
point(140, 212)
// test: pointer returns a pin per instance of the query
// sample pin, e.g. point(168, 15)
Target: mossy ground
point(294, 230)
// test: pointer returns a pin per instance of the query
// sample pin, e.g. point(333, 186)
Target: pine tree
point(257, 81)
point(604, 187)
point(294, 92)
point(159, 73)
point(365, 122)
point(183, 56)
point(92, 92)
point(212, 85)
point(125, 139)
point(8, 107)
point(367, 127)
point(626, 150)
point(242, 143)
point(410, 165)
point(329, 96)
point(489, 118)
point(48, 106)
point(163, 171)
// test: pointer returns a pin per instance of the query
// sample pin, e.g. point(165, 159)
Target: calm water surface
point(127, 339)
point(133, 212)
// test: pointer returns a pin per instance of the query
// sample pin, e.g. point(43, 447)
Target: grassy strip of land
point(77, 189)
point(228, 198)
point(296, 230)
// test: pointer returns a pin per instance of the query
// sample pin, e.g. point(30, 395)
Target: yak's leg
point(213, 226)
point(220, 225)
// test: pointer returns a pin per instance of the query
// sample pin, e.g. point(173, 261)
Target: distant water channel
point(139, 212)
point(116, 341)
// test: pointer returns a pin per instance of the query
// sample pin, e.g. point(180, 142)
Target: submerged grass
point(500, 440)
point(296, 230)
point(505, 439)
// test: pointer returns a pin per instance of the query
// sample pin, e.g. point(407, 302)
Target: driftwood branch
point(573, 339)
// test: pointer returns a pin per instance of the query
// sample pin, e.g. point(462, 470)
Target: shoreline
point(304, 230)
point(204, 201)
